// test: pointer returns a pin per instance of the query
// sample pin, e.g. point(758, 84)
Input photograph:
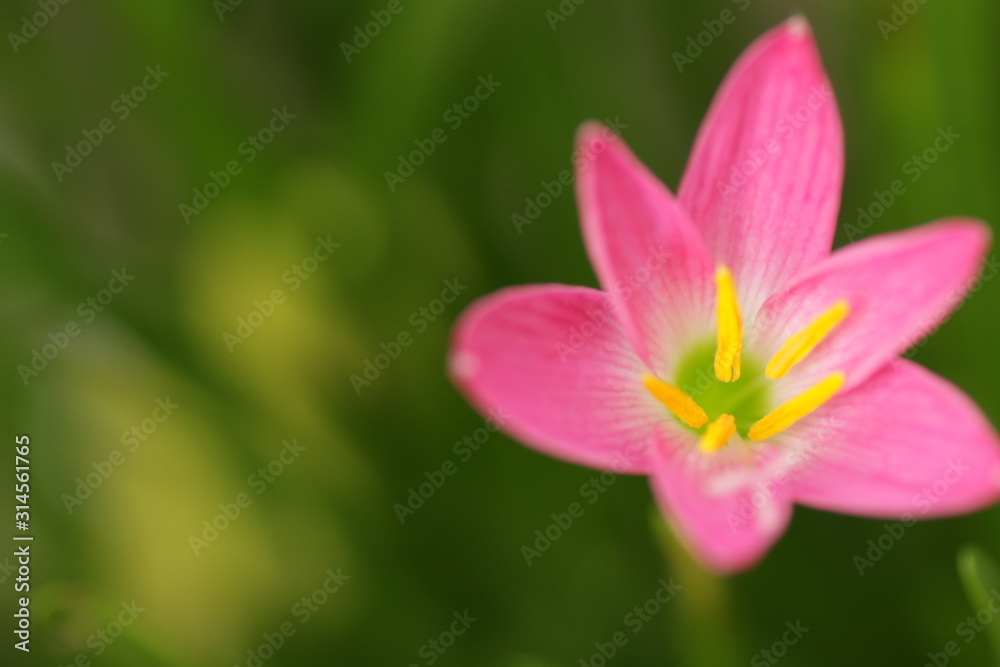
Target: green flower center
point(720, 388)
point(747, 399)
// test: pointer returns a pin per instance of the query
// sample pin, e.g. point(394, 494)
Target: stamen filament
point(801, 344)
point(728, 353)
point(683, 406)
point(796, 408)
point(717, 434)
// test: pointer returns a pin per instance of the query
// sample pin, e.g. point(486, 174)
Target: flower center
point(746, 399)
point(718, 391)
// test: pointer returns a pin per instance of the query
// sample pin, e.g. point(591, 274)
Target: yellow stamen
point(798, 346)
point(796, 408)
point(730, 328)
point(717, 434)
point(679, 403)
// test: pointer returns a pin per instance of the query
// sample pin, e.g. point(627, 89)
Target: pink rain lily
point(731, 357)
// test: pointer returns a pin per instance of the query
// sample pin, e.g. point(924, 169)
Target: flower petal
point(645, 251)
point(727, 516)
point(763, 181)
point(554, 361)
point(905, 442)
point(898, 288)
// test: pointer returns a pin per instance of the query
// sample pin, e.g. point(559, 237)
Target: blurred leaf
point(980, 575)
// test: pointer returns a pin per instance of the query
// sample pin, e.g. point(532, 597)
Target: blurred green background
point(330, 508)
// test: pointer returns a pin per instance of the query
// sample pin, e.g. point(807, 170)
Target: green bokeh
point(368, 448)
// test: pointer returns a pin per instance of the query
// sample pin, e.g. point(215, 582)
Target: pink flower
point(731, 357)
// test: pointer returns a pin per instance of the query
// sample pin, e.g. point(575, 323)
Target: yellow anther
point(801, 344)
point(796, 408)
point(717, 434)
point(679, 403)
point(729, 350)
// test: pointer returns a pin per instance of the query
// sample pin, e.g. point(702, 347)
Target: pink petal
point(643, 248)
point(775, 118)
point(554, 361)
point(899, 288)
point(905, 442)
point(728, 516)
